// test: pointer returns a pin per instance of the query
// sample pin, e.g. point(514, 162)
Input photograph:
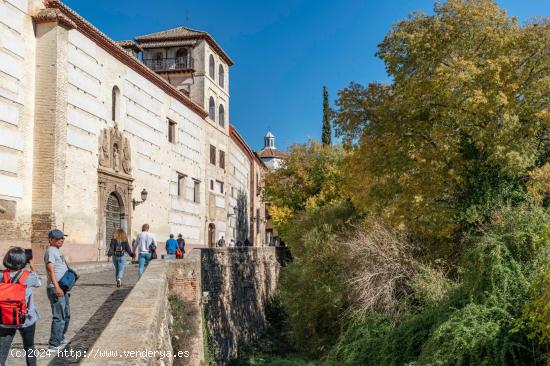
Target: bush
point(312, 288)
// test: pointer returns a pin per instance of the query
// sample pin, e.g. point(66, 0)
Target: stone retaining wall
point(237, 284)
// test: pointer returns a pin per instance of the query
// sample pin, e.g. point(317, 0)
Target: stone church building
point(97, 135)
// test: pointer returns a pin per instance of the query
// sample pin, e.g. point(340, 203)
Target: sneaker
point(118, 282)
point(61, 346)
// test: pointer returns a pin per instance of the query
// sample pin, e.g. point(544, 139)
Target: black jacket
point(125, 247)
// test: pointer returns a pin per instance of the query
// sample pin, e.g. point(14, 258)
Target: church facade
point(97, 135)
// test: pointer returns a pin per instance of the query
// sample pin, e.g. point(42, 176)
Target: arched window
point(115, 101)
point(181, 58)
point(221, 76)
point(221, 116)
point(212, 109)
point(212, 67)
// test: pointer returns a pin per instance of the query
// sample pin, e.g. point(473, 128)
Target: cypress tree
point(326, 136)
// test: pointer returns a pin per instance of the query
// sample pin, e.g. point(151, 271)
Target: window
point(212, 67)
point(212, 155)
point(181, 58)
point(212, 109)
point(181, 184)
point(211, 185)
point(233, 192)
point(222, 159)
point(158, 60)
point(221, 116)
point(114, 100)
point(257, 185)
point(220, 185)
point(221, 76)
point(196, 191)
point(257, 221)
point(171, 132)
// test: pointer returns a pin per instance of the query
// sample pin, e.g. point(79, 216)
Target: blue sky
point(284, 50)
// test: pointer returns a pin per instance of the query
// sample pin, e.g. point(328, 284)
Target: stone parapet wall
point(237, 284)
point(140, 324)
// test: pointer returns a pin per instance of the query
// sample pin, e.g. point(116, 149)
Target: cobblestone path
point(93, 302)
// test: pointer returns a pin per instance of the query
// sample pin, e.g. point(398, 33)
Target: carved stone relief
point(114, 151)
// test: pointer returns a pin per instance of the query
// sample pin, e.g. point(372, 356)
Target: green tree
point(326, 137)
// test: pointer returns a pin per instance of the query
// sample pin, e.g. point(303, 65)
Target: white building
point(86, 127)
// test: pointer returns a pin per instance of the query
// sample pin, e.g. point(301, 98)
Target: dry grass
point(383, 266)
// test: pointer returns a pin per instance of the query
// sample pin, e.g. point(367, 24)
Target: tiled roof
point(269, 152)
point(171, 34)
point(168, 44)
point(128, 44)
point(180, 34)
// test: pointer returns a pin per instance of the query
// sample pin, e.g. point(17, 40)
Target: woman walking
point(118, 249)
point(15, 262)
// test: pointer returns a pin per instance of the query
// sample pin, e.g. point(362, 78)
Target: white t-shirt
point(143, 240)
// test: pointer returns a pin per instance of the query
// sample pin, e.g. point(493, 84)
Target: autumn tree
point(463, 122)
point(310, 177)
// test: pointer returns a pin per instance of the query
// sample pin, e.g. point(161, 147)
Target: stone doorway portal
point(114, 187)
point(211, 235)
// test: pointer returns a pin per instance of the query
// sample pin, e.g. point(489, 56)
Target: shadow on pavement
point(86, 336)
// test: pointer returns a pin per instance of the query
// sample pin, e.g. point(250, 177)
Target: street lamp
point(143, 199)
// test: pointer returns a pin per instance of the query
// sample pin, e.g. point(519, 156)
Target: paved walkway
point(93, 302)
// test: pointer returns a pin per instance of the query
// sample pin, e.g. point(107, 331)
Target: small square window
point(212, 155)
point(196, 191)
point(181, 184)
point(222, 159)
point(171, 131)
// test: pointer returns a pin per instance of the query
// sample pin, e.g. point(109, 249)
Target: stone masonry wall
point(237, 284)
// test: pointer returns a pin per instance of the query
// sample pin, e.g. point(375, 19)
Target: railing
point(169, 64)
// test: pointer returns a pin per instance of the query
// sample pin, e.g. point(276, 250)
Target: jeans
point(120, 263)
point(61, 315)
point(144, 259)
point(6, 337)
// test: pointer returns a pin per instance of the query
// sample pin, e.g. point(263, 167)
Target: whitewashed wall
point(17, 53)
point(142, 115)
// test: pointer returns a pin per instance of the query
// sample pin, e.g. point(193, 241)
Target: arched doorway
point(211, 235)
point(114, 217)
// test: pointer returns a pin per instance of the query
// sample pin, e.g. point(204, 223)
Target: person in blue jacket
point(171, 245)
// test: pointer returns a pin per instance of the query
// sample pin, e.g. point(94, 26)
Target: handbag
point(153, 251)
point(68, 280)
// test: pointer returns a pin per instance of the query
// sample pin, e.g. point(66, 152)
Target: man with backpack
point(56, 267)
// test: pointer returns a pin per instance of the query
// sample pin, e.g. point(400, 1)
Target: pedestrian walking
point(171, 247)
point(14, 274)
point(56, 268)
point(221, 242)
point(231, 243)
point(117, 249)
point(145, 246)
point(246, 242)
point(181, 246)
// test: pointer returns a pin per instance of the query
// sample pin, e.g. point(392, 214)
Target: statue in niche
point(116, 158)
point(104, 149)
point(126, 156)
